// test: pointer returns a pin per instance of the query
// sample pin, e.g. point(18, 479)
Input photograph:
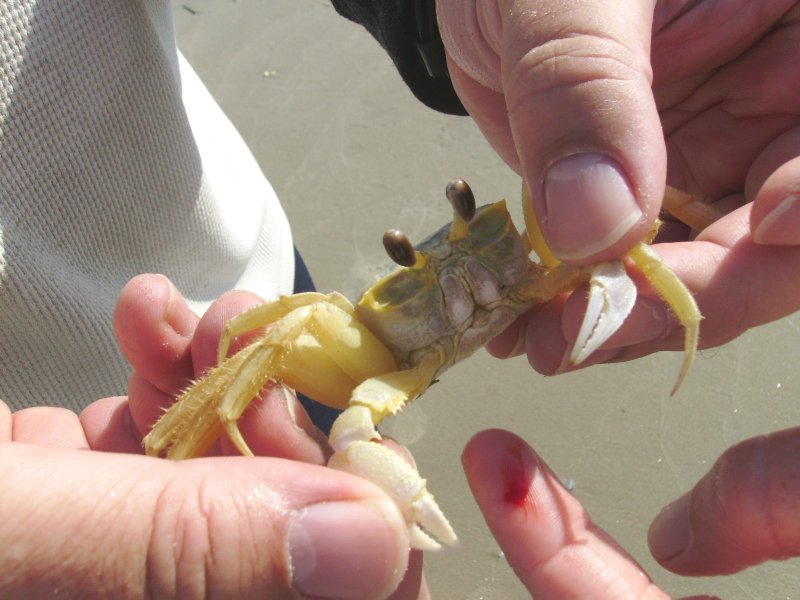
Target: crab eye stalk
point(461, 198)
point(463, 201)
point(399, 248)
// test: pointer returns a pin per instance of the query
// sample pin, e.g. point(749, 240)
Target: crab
point(452, 293)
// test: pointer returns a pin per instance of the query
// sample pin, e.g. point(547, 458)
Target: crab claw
point(353, 438)
point(612, 295)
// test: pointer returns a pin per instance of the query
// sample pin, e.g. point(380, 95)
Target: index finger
point(546, 535)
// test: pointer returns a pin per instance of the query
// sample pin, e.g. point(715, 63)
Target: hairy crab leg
point(317, 347)
point(689, 209)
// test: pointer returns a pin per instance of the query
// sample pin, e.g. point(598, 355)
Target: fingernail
point(670, 531)
point(177, 316)
point(781, 227)
point(347, 549)
point(589, 205)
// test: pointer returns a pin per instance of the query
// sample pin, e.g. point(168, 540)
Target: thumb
point(563, 93)
point(92, 524)
point(743, 512)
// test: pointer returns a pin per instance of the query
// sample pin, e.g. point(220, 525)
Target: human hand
point(597, 104)
point(743, 512)
point(100, 524)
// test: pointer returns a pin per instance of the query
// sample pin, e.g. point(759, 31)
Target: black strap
point(429, 42)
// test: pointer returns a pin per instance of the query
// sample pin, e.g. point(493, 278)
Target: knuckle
point(195, 547)
point(570, 64)
point(757, 492)
point(215, 538)
point(178, 545)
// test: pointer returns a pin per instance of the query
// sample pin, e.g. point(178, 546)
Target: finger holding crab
point(612, 294)
point(168, 346)
point(738, 283)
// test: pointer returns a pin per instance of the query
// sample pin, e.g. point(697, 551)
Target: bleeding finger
point(546, 535)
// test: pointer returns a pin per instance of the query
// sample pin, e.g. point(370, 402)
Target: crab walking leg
point(689, 209)
point(270, 312)
point(345, 345)
point(677, 296)
point(192, 425)
point(533, 232)
point(318, 348)
point(353, 438)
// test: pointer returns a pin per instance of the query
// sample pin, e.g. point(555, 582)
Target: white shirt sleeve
point(114, 160)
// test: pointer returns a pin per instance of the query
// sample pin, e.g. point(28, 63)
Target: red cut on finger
point(547, 537)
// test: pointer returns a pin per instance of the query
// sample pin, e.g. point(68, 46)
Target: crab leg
point(677, 296)
point(353, 438)
point(269, 312)
point(192, 424)
point(612, 294)
point(318, 347)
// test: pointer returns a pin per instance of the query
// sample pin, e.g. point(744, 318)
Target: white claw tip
point(612, 295)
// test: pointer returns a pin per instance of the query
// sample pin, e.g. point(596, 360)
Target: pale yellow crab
point(453, 292)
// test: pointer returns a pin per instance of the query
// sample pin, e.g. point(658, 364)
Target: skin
point(97, 519)
point(699, 94)
point(740, 514)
